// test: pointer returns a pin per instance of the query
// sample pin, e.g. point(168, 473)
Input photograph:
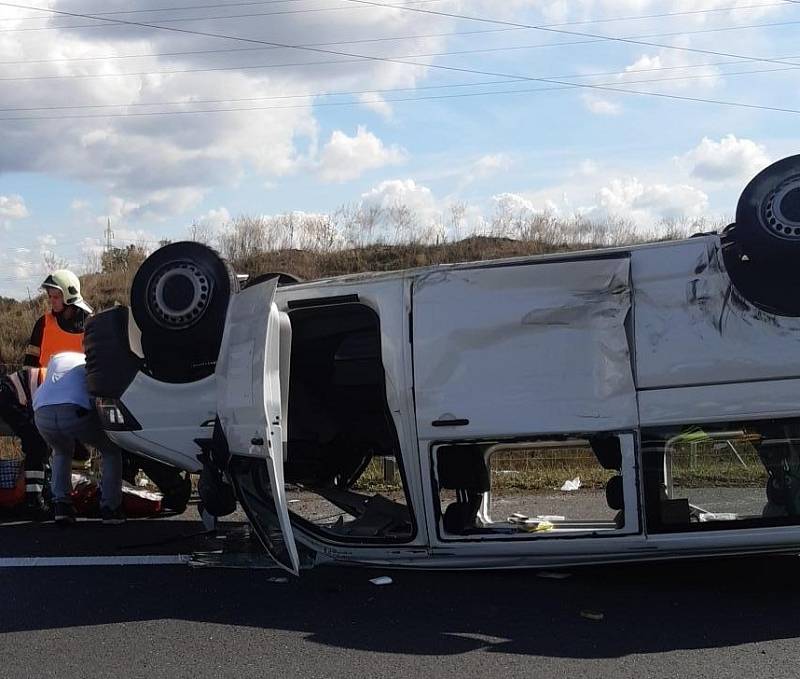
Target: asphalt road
point(717, 619)
point(728, 618)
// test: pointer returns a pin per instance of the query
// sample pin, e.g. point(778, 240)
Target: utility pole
point(109, 234)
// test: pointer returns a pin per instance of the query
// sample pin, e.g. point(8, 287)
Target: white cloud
point(375, 102)
point(344, 158)
point(46, 241)
point(600, 106)
point(727, 159)
point(671, 71)
point(400, 192)
point(407, 211)
point(13, 207)
point(642, 203)
point(137, 157)
point(513, 203)
point(491, 164)
point(485, 167)
point(215, 218)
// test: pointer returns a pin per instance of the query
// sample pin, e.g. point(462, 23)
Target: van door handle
point(450, 423)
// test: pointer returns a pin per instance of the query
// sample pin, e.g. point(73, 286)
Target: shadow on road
point(646, 608)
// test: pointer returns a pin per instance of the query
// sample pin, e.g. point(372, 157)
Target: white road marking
point(139, 560)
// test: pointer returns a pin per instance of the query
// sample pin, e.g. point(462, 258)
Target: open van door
point(249, 408)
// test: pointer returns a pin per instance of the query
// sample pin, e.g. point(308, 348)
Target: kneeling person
point(63, 413)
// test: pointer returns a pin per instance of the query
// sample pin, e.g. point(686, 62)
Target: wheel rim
point(178, 295)
point(781, 212)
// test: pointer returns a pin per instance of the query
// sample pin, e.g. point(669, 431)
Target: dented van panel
point(693, 327)
point(517, 349)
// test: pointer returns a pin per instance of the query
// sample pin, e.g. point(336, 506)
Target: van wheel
point(768, 212)
point(179, 298)
point(111, 366)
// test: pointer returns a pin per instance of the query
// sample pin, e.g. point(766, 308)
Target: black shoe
point(64, 514)
point(37, 508)
point(176, 499)
point(112, 517)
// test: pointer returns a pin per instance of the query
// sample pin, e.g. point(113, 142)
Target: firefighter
point(62, 328)
point(16, 409)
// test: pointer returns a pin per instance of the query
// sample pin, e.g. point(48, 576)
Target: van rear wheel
point(179, 299)
point(768, 212)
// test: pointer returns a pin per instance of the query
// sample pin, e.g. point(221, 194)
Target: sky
point(157, 115)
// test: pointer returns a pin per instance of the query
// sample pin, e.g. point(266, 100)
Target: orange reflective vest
point(56, 340)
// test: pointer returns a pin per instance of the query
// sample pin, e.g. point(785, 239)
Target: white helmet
point(70, 287)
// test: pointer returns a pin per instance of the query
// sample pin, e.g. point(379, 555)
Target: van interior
point(531, 488)
point(722, 475)
point(344, 470)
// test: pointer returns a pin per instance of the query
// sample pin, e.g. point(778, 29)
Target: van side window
point(721, 475)
point(537, 488)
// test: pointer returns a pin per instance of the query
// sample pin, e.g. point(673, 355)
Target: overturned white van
point(669, 371)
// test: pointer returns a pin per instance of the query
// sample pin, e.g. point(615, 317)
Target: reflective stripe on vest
point(55, 340)
point(26, 382)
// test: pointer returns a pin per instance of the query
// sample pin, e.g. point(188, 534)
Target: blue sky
point(515, 105)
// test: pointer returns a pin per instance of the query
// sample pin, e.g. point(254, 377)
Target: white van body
point(595, 345)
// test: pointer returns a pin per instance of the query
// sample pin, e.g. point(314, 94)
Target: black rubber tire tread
point(110, 363)
point(752, 232)
point(183, 354)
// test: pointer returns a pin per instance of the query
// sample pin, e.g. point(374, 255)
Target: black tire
point(283, 279)
point(110, 363)
point(179, 299)
point(768, 212)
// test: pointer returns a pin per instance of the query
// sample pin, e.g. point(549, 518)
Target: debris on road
point(553, 575)
point(571, 485)
point(382, 580)
point(592, 615)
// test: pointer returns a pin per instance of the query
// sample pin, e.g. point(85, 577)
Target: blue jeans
point(61, 426)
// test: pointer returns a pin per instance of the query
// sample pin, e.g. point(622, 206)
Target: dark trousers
point(20, 420)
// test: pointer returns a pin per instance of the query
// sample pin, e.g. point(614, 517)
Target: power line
point(270, 43)
point(265, 98)
point(170, 20)
point(558, 86)
point(164, 9)
point(598, 36)
point(381, 39)
point(257, 49)
point(103, 15)
point(174, 29)
point(314, 95)
point(244, 67)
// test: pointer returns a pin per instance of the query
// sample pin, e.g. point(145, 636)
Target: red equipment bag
point(15, 495)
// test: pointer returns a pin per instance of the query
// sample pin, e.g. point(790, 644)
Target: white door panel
point(249, 399)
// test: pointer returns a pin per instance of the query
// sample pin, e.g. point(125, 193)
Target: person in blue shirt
point(63, 413)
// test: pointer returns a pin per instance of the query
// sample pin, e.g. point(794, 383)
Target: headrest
point(615, 496)
point(607, 451)
point(463, 468)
